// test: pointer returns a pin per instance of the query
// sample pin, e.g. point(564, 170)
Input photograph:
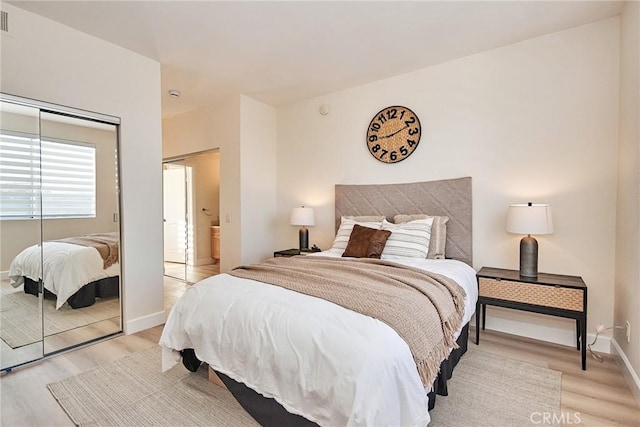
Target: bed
point(76, 270)
point(294, 359)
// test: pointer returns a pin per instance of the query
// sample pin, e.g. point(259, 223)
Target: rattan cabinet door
point(536, 294)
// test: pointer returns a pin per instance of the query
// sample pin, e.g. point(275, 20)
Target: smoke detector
point(174, 93)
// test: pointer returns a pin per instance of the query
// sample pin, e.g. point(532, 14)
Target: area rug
point(486, 390)
point(489, 390)
point(133, 392)
point(21, 324)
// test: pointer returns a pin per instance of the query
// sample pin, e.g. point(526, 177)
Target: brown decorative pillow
point(366, 242)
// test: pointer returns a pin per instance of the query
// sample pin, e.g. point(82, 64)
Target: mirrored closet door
point(60, 224)
point(21, 337)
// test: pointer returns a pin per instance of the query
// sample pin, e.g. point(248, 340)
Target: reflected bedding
point(67, 268)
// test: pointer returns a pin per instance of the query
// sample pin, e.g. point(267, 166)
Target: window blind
point(54, 177)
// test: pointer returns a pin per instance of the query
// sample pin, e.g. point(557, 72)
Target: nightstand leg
point(578, 334)
point(484, 315)
point(583, 339)
point(478, 322)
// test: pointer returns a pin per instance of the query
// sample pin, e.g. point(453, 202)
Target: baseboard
point(144, 322)
point(630, 375)
point(546, 333)
point(205, 261)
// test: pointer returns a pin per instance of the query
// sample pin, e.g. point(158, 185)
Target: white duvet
point(331, 365)
point(67, 268)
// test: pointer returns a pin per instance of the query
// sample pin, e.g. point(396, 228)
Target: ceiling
point(281, 52)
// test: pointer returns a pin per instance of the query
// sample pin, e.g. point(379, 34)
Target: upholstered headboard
point(449, 197)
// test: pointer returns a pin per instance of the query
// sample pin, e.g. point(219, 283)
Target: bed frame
point(451, 198)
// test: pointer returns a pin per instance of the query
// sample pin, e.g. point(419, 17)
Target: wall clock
point(393, 134)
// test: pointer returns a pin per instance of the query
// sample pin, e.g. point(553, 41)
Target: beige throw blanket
point(105, 243)
point(424, 308)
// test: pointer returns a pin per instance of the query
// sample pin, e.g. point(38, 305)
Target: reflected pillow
point(438, 239)
point(410, 239)
point(365, 242)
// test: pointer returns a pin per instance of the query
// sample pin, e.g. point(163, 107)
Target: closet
point(60, 281)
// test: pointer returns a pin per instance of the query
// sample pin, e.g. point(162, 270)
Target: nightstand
point(293, 252)
point(287, 253)
point(552, 294)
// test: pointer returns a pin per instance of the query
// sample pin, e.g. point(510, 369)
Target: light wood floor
point(190, 274)
point(599, 394)
point(79, 330)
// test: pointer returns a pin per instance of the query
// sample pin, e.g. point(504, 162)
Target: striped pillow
point(410, 239)
point(438, 240)
point(346, 225)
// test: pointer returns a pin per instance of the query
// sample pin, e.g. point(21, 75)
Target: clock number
point(409, 122)
point(413, 131)
point(402, 114)
point(404, 151)
point(373, 138)
point(384, 153)
point(375, 148)
point(411, 142)
point(382, 118)
point(375, 127)
point(393, 156)
point(392, 113)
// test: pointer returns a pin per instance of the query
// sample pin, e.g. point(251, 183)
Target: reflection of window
point(65, 171)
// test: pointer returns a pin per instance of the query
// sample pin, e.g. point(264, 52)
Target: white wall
point(206, 177)
point(627, 277)
point(45, 60)
point(533, 121)
point(244, 130)
point(258, 176)
point(217, 126)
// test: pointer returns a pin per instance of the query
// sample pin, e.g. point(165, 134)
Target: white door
point(174, 207)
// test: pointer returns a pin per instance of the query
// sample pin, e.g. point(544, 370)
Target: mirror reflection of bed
point(81, 286)
point(44, 245)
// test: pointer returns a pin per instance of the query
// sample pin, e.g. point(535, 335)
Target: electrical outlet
point(628, 328)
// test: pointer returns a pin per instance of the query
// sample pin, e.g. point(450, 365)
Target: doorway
point(176, 190)
point(191, 207)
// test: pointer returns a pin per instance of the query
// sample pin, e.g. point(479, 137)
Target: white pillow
point(409, 239)
point(344, 232)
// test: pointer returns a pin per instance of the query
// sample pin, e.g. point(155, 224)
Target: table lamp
point(529, 219)
point(303, 216)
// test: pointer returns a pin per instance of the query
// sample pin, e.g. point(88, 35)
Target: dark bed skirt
point(268, 412)
point(447, 366)
point(86, 296)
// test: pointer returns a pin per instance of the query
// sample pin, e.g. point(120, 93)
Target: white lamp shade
point(302, 216)
point(529, 219)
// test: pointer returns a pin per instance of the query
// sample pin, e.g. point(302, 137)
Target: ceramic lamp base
point(529, 257)
point(303, 237)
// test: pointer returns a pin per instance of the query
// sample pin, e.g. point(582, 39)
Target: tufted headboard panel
point(448, 197)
